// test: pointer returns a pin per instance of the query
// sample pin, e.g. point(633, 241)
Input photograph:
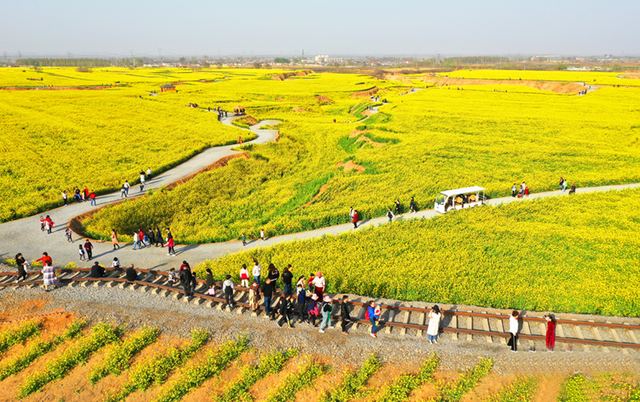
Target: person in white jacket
point(434, 324)
point(319, 284)
point(513, 330)
point(257, 271)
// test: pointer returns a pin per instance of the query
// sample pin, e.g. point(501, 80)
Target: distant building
point(167, 88)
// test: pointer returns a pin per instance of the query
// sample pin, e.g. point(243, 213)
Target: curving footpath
point(24, 235)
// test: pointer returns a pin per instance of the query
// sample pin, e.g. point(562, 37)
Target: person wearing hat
point(326, 309)
point(312, 309)
point(227, 289)
point(434, 324)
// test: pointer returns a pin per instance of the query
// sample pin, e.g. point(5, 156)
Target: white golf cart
point(468, 197)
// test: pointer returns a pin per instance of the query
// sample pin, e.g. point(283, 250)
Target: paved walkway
point(24, 235)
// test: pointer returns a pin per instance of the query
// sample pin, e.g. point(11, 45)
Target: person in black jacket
point(186, 279)
point(151, 236)
point(273, 274)
point(159, 240)
point(344, 314)
point(97, 271)
point(267, 292)
point(285, 312)
point(131, 274)
point(287, 277)
point(20, 261)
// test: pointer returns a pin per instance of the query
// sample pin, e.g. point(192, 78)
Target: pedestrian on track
point(244, 240)
point(136, 240)
point(513, 331)
point(301, 302)
point(151, 237)
point(434, 324)
point(48, 272)
point(114, 239)
point(319, 284)
point(412, 205)
point(123, 192)
point(76, 195)
point(126, 187)
point(92, 197)
point(143, 238)
point(351, 212)
point(257, 271)
point(244, 276)
point(267, 292)
point(159, 239)
point(88, 247)
point(373, 318)
point(68, 233)
point(344, 314)
point(169, 234)
point(564, 185)
point(550, 338)
point(42, 224)
point(227, 289)
point(326, 310)
point(254, 295)
point(273, 275)
point(170, 250)
point(262, 235)
point(389, 214)
point(514, 190)
point(210, 284)
point(85, 193)
point(398, 207)
point(22, 264)
point(186, 280)
point(354, 219)
point(560, 184)
point(65, 198)
point(523, 186)
point(48, 224)
point(313, 310)
point(287, 277)
point(285, 311)
point(143, 179)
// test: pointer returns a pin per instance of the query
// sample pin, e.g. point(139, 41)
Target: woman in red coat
point(551, 331)
point(354, 219)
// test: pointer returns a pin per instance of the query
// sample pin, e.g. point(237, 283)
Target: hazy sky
point(348, 27)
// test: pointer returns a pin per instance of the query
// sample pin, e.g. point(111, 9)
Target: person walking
point(513, 331)
point(412, 205)
point(273, 275)
point(262, 235)
point(267, 293)
point(48, 224)
point(301, 302)
point(123, 192)
point(97, 270)
point(514, 190)
point(550, 338)
point(148, 173)
point(76, 195)
point(523, 186)
point(42, 224)
point(169, 234)
point(142, 236)
point(313, 310)
point(285, 311)
point(88, 247)
point(186, 280)
point(159, 239)
point(22, 264)
point(65, 198)
point(397, 208)
point(92, 197)
point(48, 272)
point(114, 239)
point(351, 212)
point(287, 277)
point(170, 250)
point(389, 214)
point(560, 184)
point(244, 240)
point(126, 187)
point(326, 309)
point(257, 271)
point(319, 284)
point(136, 240)
point(227, 289)
point(68, 233)
point(344, 314)
point(151, 237)
point(354, 219)
point(564, 185)
point(373, 318)
point(244, 276)
point(81, 252)
point(434, 324)
point(143, 179)
point(130, 274)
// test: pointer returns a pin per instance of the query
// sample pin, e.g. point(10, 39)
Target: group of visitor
point(79, 196)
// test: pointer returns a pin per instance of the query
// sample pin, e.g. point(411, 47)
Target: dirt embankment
point(323, 99)
point(554, 86)
point(251, 121)
point(365, 94)
point(315, 198)
point(632, 76)
point(397, 77)
point(362, 137)
point(284, 76)
point(350, 165)
point(94, 88)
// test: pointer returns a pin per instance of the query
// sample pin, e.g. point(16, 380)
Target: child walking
point(227, 289)
point(81, 252)
point(244, 276)
point(68, 233)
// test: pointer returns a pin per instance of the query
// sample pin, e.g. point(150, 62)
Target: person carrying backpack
point(285, 312)
point(313, 310)
point(227, 289)
point(373, 318)
point(326, 310)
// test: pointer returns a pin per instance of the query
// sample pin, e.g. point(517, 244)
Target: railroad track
point(412, 321)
